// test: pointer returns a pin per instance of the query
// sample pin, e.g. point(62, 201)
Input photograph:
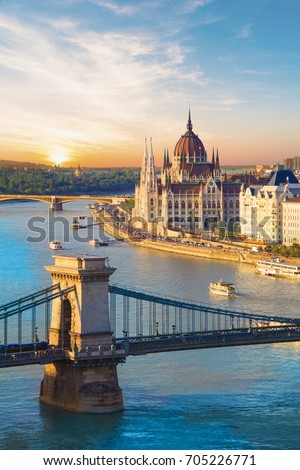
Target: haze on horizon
point(86, 81)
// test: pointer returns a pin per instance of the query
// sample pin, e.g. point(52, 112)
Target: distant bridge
point(56, 202)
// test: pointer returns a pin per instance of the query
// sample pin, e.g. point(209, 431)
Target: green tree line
point(283, 250)
point(65, 182)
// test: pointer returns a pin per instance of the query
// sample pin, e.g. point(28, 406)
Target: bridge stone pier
point(87, 381)
point(56, 204)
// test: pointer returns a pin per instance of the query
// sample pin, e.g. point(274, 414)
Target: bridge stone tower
point(87, 380)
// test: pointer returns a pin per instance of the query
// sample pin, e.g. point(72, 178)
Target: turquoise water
point(228, 398)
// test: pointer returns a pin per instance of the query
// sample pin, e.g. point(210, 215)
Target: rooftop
point(294, 200)
point(282, 177)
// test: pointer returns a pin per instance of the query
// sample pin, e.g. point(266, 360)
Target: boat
point(76, 224)
point(55, 245)
point(93, 206)
point(222, 288)
point(276, 267)
point(94, 242)
point(97, 242)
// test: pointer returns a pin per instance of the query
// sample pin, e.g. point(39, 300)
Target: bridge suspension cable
point(190, 305)
point(32, 301)
point(29, 302)
point(183, 316)
point(29, 297)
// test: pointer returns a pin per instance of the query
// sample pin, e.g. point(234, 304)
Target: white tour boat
point(222, 288)
point(97, 242)
point(277, 268)
point(55, 245)
point(94, 242)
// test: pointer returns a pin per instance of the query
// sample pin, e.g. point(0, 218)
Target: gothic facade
point(189, 192)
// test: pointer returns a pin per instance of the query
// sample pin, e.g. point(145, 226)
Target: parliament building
point(189, 193)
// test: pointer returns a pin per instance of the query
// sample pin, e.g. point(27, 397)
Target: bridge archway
point(25, 198)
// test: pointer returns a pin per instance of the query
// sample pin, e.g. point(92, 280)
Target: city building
point(261, 207)
point(291, 221)
point(190, 191)
point(292, 163)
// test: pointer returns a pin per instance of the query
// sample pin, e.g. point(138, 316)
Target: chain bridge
point(82, 327)
point(142, 323)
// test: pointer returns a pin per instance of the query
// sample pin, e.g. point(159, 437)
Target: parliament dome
point(189, 144)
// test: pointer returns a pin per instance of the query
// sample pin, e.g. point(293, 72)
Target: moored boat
point(277, 268)
point(222, 288)
point(55, 245)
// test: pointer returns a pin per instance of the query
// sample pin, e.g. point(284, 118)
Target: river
point(228, 398)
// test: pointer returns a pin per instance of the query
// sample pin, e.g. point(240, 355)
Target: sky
point(86, 81)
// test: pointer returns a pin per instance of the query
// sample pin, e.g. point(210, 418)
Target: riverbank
point(225, 252)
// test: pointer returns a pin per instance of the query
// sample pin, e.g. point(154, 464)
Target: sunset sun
point(58, 158)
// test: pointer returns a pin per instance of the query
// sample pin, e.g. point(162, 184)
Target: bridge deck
point(210, 339)
point(32, 357)
point(166, 343)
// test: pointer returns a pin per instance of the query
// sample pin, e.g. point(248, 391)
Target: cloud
point(145, 7)
point(114, 7)
point(63, 85)
point(253, 72)
point(211, 19)
point(245, 32)
point(191, 5)
point(229, 100)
